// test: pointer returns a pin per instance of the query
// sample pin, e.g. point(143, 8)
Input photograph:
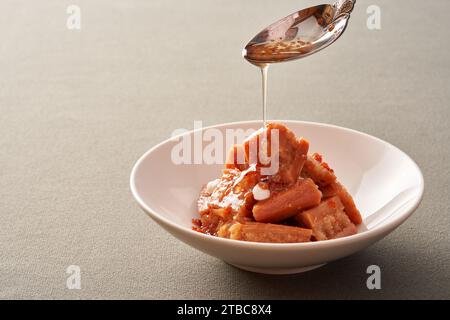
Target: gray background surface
point(77, 108)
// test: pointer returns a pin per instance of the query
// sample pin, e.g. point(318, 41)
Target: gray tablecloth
point(78, 107)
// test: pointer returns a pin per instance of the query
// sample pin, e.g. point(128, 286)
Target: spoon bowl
point(300, 34)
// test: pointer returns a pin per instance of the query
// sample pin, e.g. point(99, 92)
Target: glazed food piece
point(266, 232)
point(337, 189)
point(287, 203)
point(318, 170)
point(301, 201)
point(236, 158)
point(328, 220)
point(226, 199)
point(280, 145)
point(322, 175)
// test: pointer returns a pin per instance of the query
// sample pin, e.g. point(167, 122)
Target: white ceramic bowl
point(386, 184)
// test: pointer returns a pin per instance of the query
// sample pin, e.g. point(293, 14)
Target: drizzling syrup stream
point(264, 72)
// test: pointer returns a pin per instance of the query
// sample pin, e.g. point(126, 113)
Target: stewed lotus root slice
point(265, 232)
point(287, 203)
point(236, 158)
point(286, 157)
point(328, 220)
point(318, 170)
point(231, 199)
point(337, 189)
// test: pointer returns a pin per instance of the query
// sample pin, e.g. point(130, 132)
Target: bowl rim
point(377, 231)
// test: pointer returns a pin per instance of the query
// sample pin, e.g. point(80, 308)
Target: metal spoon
point(300, 34)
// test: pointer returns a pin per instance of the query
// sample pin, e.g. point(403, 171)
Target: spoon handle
point(343, 7)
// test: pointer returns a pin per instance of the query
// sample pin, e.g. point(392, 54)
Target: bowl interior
point(382, 179)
